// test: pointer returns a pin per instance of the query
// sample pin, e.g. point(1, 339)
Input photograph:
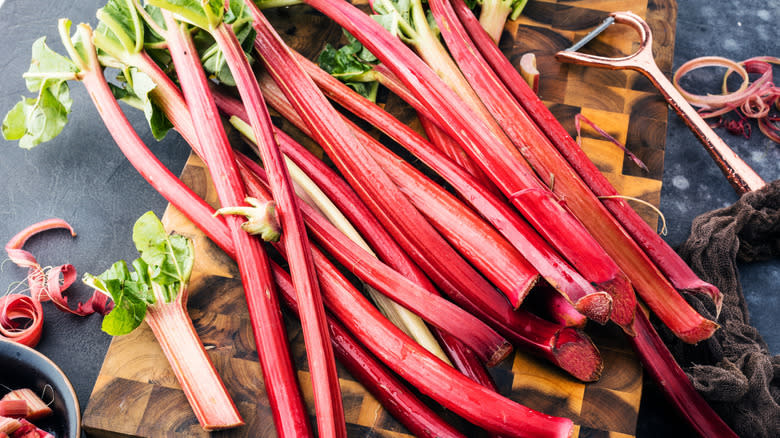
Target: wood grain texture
point(136, 394)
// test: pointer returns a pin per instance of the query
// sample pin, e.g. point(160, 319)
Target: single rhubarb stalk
point(173, 329)
point(34, 407)
point(157, 293)
point(676, 386)
point(281, 382)
point(437, 258)
point(394, 396)
point(668, 261)
point(649, 282)
point(322, 366)
point(503, 165)
point(14, 408)
point(553, 306)
point(596, 305)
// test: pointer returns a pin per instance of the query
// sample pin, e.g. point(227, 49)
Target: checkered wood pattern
point(137, 395)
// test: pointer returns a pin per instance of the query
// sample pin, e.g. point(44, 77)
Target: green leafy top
point(36, 120)
point(404, 18)
point(353, 64)
point(205, 14)
point(161, 273)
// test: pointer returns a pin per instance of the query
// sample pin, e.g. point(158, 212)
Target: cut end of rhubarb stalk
point(517, 295)
point(596, 306)
point(704, 288)
point(501, 353)
point(529, 71)
point(576, 354)
point(703, 331)
point(623, 302)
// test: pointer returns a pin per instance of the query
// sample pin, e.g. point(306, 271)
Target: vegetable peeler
point(741, 176)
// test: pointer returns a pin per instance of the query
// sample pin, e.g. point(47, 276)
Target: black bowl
point(23, 367)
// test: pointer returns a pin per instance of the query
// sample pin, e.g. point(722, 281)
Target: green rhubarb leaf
point(47, 67)
point(33, 121)
point(212, 58)
point(352, 64)
point(131, 297)
point(142, 85)
point(165, 265)
point(170, 257)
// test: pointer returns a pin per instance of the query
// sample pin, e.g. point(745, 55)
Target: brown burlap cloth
point(734, 370)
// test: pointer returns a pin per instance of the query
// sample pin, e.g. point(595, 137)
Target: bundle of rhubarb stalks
point(497, 200)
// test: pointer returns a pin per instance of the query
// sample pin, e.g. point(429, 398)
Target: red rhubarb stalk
point(173, 329)
point(677, 271)
point(595, 304)
point(503, 165)
point(263, 307)
point(676, 386)
point(322, 365)
point(553, 306)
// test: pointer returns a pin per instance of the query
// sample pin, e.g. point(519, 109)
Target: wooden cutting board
point(137, 395)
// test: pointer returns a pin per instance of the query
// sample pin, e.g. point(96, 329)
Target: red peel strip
point(44, 285)
point(579, 117)
point(14, 310)
point(98, 302)
point(14, 246)
point(754, 100)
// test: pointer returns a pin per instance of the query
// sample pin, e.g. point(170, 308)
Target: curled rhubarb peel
point(750, 100)
point(21, 319)
point(50, 283)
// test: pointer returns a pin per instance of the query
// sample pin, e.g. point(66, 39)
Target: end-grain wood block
point(137, 395)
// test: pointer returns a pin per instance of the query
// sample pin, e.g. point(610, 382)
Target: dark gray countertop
point(101, 199)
